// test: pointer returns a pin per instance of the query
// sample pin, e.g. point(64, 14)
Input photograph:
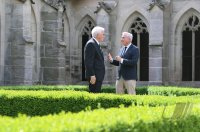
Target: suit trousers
point(129, 85)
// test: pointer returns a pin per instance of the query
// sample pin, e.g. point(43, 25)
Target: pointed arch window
point(85, 36)
point(191, 49)
point(141, 40)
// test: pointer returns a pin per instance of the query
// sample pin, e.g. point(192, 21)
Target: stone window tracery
point(190, 49)
point(193, 24)
point(88, 28)
point(139, 26)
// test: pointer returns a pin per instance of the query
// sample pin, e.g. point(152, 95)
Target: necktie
point(100, 47)
point(124, 51)
point(101, 50)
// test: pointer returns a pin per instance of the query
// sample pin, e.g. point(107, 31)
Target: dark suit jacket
point(94, 60)
point(128, 70)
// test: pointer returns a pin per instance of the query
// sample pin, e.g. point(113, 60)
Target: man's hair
point(96, 30)
point(129, 35)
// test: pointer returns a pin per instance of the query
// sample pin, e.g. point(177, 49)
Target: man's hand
point(110, 57)
point(92, 79)
point(118, 58)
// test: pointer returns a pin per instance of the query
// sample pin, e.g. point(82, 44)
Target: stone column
point(29, 44)
point(156, 44)
point(2, 41)
point(19, 51)
point(103, 20)
point(52, 44)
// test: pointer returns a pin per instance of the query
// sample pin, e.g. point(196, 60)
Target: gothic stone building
point(42, 41)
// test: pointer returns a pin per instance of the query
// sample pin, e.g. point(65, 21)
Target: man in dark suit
point(94, 60)
point(127, 65)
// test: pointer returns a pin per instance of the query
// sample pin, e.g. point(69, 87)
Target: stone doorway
point(86, 35)
point(190, 49)
point(141, 40)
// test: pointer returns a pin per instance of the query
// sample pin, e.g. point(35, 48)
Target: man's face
point(100, 37)
point(125, 40)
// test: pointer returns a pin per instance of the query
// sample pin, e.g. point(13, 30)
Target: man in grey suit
point(127, 65)
point(94, 60)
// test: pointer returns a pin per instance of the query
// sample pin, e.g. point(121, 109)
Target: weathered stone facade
point(41, 41)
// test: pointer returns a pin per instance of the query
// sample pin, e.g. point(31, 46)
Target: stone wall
point(40, 40)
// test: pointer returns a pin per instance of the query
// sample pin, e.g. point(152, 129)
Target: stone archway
point(83, 32)
point(187, 61)
point(190, 49)
point(141, 40)
point(85, 36)
point(138, 25)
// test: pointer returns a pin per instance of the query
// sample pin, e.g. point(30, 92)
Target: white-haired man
point(127, 65)
point(94, 60)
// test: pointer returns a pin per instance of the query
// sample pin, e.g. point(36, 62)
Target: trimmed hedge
point(47, 87)
point(172, 91)
point(135, 119)
point(50, 102)
point(150, 90)
point(105, 89)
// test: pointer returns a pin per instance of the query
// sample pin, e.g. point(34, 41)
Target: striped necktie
point(124, 51)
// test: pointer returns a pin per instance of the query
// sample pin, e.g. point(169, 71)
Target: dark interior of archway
point(85, 38)
point(187, 56)
point(197, 55)
point(144, 54)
